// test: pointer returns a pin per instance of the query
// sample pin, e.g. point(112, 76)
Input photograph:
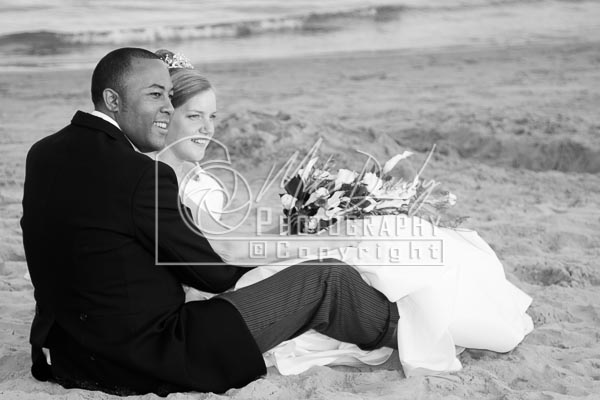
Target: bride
point(458, 299)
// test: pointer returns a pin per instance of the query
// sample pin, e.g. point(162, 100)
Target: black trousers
point(327, 296)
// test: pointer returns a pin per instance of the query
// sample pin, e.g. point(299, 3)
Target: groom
point(107, 316)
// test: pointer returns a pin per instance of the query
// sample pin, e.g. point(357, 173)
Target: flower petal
point(288, 201)
point(306, 171)
point(391, 163)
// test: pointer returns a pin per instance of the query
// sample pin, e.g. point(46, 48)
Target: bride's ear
point(111, 99)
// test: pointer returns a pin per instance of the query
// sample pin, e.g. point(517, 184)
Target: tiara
point(177, 60)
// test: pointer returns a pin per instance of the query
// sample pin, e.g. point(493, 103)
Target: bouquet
point(315, 198)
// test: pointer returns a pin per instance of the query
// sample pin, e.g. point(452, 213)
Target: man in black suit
point(94, 227)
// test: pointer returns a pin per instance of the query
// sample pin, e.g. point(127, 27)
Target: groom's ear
point(111, 99)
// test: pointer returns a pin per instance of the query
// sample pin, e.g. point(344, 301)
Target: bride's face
point(191, 125)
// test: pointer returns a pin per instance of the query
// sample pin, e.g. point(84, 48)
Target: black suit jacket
point(112, 318)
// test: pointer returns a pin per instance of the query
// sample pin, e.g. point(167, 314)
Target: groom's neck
point(106, 112)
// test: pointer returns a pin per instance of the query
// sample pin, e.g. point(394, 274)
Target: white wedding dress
point(455, 296)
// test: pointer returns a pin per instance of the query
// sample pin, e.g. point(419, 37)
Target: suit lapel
point(92, 122)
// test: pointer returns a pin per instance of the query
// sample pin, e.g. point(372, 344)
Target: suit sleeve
point(179, 246)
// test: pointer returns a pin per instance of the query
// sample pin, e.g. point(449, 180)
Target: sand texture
point(518, 136)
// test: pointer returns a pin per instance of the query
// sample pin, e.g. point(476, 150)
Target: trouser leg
point(327, 296)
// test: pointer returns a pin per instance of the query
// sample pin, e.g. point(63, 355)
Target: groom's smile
point(162, 124)
point(162, 128)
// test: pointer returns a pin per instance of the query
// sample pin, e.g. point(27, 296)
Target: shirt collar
point(108, 119)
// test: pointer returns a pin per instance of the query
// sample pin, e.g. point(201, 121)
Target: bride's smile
point(200, 141)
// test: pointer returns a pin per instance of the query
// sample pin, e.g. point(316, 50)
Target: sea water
point(76, 33)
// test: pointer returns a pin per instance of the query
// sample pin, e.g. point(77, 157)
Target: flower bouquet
point(316, 197)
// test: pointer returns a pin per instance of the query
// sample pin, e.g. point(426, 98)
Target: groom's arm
point(178, 246)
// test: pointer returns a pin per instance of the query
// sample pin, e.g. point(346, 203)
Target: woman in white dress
point(191, 129)
point(459, 298)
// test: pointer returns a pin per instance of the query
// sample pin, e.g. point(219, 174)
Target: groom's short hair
point(112, 70)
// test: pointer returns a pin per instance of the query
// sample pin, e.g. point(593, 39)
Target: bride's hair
point(187, 82)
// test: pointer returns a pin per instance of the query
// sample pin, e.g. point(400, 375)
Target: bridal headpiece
point(174, 60)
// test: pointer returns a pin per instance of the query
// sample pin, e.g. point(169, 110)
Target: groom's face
point(145, 109)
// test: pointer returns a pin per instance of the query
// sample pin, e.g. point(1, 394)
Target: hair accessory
point(176, 60)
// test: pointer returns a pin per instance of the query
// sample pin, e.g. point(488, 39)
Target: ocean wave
point(309, 22)
point(49, 42)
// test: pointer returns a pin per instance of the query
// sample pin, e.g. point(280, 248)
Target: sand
point(518, 135)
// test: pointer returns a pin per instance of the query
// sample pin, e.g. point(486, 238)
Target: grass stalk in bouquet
point(315, 197)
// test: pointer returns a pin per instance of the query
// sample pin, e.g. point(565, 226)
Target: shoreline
point(441, 51)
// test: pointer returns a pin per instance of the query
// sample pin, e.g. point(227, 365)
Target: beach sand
point(518, 136)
